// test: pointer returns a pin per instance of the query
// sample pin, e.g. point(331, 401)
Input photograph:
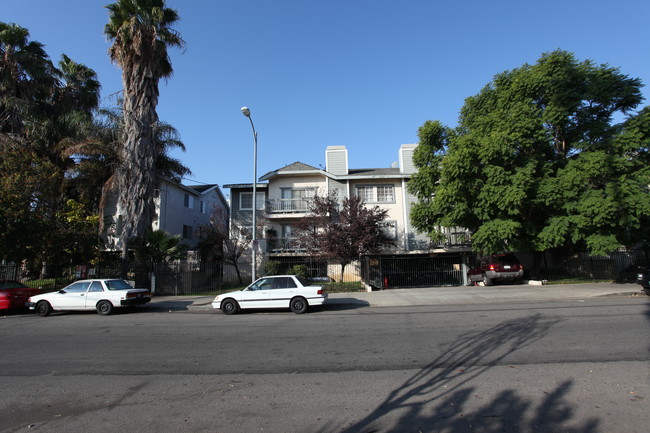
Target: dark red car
point(497, 267)
point(14, 294)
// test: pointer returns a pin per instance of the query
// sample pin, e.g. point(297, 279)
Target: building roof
point(246, 185)
point(374, 172)
point(295, 168)
point(200, 188)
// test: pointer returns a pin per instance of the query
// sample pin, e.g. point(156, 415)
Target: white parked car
point(102, 295)
point(277, 291)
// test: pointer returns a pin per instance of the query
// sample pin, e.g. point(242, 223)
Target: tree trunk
point(136, 174)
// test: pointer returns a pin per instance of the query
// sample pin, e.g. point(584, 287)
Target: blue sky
point(360, 73)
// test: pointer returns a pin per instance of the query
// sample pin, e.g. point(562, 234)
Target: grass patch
point(48, 284)
point(577, 281)
point(337, 287)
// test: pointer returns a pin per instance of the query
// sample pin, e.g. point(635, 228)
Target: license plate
point(506, 267)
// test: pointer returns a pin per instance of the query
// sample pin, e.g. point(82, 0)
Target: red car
point(14, 294)
point(496, 268)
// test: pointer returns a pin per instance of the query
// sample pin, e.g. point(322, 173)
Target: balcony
point(287, 205)
point(284, 245)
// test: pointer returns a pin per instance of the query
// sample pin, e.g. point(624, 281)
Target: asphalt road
point(574, 366)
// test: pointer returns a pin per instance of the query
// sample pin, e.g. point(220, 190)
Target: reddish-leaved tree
point(342, 232)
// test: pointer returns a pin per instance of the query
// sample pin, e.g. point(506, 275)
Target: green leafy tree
point(26, 76)
point(141, 32)
point(43, 111)
point(538, 162)
point(160, 246)
point(433, 142)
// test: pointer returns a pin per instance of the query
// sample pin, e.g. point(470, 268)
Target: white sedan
point(102, 295)
point(277, 291)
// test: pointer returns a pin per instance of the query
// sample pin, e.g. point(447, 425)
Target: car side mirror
point(62, 291)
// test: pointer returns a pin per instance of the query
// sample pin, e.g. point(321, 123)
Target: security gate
point(414, 271)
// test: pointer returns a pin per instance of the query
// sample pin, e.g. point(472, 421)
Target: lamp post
point(246, 112)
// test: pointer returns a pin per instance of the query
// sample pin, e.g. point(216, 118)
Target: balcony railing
point(287, 205)
point(284, 245)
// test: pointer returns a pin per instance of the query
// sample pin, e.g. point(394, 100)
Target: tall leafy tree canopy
point(538, 161)
point(141, 32)
point(58, 152)
point(43, 111)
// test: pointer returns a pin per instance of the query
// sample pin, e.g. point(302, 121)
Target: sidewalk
point(436, 296)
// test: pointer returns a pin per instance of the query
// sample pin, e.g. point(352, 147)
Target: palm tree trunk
point(137, 178)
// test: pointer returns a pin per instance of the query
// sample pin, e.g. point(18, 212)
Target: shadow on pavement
point(166, 306)
point(439, 397)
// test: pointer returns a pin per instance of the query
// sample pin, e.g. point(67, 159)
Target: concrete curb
point(435, 296)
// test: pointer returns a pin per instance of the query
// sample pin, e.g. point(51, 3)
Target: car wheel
point(43, 308)
point(299, 305)
point(229, 306)
point(486, 280)
point(104, 308)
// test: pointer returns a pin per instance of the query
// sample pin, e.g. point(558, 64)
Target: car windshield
point(117, 285)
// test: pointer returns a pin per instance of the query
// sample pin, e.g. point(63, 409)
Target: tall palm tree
point(140, 31)
point(26, 73)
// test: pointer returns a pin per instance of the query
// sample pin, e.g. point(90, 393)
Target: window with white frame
point(376, 193)
point(295, 199)
point(367, 193)
point(246, 201)
point(385, 194)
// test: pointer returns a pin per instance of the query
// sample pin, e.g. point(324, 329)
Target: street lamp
point(246, 112)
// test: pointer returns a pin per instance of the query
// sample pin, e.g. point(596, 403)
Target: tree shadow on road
point(437, 398)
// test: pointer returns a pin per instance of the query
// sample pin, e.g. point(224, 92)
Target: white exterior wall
point(395, 210)
point(296, 182)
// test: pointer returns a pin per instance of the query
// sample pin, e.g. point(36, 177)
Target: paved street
point(564, 365)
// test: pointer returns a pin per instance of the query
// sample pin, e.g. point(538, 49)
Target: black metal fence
point(621, 266)
point(385, 272)
point(178, 278)
point(451, 269)
point(381, 272)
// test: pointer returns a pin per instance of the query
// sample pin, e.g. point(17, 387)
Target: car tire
point(487, 281)
point(43, 308)
point(229, 306)
point(104, 308)
point(299, 305)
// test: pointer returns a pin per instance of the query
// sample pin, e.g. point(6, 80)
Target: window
point(189, 201)
point(367, 193)
point(286, 231)
point(295, 199)
point(187, 232)
point(385, 194)
point(262, 284)
point(202, 206)
point(118, 285)
point(376, 193)
point(96, 286)
point(283, 283)
point(80, 287)
point(246, 201)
